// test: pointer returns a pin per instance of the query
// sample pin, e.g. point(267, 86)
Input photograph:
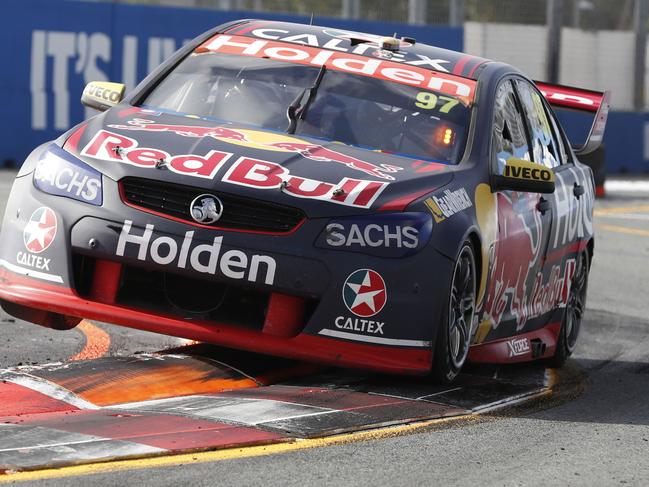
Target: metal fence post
point(417, 12)
point(456, 13)
point(351, 9)
point(640, 52)
point(554, 15)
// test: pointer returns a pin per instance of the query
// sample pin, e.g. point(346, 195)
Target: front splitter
point(207, 398)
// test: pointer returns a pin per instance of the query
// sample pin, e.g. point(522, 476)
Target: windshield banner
point(342, 61)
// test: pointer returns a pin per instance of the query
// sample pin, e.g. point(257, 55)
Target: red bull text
point(253, 173)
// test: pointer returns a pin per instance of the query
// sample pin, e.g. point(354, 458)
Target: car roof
point(417, 54)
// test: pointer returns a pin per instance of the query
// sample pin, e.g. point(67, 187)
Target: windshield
point(356, 110)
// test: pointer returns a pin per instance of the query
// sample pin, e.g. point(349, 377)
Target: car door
point(573, 202)
point(573, 199)
point(552, 282)
point(524, 223)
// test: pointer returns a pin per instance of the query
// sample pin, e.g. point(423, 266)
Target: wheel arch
point(591, 249)
point(441, 371)
point(476, 243)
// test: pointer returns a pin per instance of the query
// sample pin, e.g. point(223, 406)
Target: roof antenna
point(312, 15)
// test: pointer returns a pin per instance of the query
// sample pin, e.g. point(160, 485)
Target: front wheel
point(574, 313)
point(454, 331)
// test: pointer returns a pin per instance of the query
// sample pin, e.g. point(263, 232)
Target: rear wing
point(583, 100)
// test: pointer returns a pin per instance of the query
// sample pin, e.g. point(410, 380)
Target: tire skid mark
point(97, 342)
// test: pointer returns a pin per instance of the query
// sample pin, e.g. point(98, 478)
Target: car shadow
point(478, 387)
point(594, 391)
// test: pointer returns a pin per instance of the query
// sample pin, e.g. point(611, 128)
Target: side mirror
point(522, 175)
point(102, 95)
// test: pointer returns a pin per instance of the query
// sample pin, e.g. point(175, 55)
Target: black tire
point(596, 160)
point(574, 312)
point(454, 330)
point(47, 319)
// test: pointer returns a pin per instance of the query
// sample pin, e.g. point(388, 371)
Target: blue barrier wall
point(49, 50)
point(626, 143)
point(626, 138)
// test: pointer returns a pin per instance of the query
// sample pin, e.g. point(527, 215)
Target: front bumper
point(56, 299)
point(303, 317)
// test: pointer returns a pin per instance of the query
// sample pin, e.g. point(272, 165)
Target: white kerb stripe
point(380, 340)
point(53, 438)
point(242, 410)
point(30, 272)
point(47, 388)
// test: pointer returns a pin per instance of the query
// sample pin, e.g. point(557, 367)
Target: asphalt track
point(593, 430)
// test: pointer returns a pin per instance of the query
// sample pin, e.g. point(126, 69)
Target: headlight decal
point(385, 235)
point(60, 173)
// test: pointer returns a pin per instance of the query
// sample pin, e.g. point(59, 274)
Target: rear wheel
point(574, 312)
point(454, 332)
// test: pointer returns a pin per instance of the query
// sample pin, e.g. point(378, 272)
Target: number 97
point(428, 101)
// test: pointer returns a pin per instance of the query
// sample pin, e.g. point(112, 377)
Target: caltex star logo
point(40, 231)
point(364, 293)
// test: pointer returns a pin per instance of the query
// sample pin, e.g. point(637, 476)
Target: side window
point(544, 146)
point(558, 138)
point(509, 137)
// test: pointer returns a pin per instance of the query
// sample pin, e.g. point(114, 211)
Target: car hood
point(322, 178)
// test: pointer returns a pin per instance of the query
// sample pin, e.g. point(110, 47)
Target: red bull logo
point(184, 130)
point(516, 252)
point(518, 287)
point(252, 173)
point(320, 153)
point(267, 141)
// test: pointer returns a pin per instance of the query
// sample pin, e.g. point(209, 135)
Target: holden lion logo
point(364, 293)
point(40, 231)
point(206, 209)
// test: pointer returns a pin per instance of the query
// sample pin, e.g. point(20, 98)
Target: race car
point(316, 194)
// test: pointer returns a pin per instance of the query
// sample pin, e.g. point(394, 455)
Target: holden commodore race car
point(315, 194)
